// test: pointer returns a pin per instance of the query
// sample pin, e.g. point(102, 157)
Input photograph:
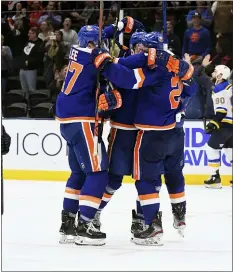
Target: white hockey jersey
point(221, 96)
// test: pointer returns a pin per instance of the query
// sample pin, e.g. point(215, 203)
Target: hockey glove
point(109, 101)
point(129, 25)
point(100, 58)
point(162, 58)
point(211, 127)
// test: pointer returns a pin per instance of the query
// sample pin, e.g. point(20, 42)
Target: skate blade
point(181, 232)
point(147, 242)
point(85, 241)
point(214, 186)
point(67, 239)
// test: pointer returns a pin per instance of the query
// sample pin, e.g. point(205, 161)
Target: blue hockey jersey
point(158, 97)
point(77, 99)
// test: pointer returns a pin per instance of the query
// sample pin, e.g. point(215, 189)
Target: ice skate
point(138, 224)
point(87, 234)
point(67, 229)
point(152, 234)
point(179, 211)
point(214, 182)
point(96, 221)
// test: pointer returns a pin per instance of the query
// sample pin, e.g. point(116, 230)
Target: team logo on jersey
point(195, 37)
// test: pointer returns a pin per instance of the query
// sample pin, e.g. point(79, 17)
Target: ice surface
point(32, 219)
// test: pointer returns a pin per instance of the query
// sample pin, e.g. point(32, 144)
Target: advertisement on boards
point(38, 151)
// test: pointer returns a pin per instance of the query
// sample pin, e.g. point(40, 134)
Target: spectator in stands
point(6, 64)
point(54, 56)
point(205, 13)
point(84, 17)
point(223, 18)
point(70, 36)
point(18, 14)
point(173, 41)
point(46, 29)
point(35, 13)
point(197, 42)
point(31, 60)
point(50, 15)
point(17, 36)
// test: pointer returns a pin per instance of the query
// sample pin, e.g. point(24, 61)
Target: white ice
point(32, 219)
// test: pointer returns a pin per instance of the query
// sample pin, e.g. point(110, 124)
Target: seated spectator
point(31, 60)
point(70, 36)
point(205, 13)
point(223, 18)
point(46, 29)
point(50, 15)
point(173, 41)
point(197, 42)
point(35, 13)
point(6, 65)
point(54, 56)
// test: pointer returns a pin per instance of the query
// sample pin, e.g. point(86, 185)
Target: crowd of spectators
point(37, 35)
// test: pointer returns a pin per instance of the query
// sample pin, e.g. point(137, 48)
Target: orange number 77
point(76, 69)
point(175, 83)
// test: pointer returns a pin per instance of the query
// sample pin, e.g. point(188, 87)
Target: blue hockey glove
point(129, 25)
point(109, 101)
point(211, 127)
point(100, 57)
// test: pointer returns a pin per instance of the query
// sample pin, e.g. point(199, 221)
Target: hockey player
point(122, 136)
point(220, 127)
point(156, 137)
point(75, 109)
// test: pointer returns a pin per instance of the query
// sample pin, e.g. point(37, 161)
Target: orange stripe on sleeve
point(151, 57)
point(142, 77)
point(189, 73)
point(90, 144)
point(129, 25)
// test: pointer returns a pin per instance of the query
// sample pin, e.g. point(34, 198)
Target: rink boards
point(38, 152)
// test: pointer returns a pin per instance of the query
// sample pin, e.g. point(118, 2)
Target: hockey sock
point(175, 186)
point(213, 159)
point(149, 199)
point(72, 191)
point(115, 182)
point(139, 209)
point(91, 194)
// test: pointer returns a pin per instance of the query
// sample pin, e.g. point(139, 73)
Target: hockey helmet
point(136, 38)
point(89, 33)
point(154, 40)
point(222, 70)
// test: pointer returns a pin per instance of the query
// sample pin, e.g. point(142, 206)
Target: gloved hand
point(165, 59)
point(129, 25)
point(110, 101)
point(100, 57)
point(211, 127)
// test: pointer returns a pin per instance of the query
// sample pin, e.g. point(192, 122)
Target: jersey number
point(76, 69)
point(175, 83)
point(220, 100)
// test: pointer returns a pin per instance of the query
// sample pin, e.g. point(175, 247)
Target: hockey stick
point(164, 6)
point(98, 127)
